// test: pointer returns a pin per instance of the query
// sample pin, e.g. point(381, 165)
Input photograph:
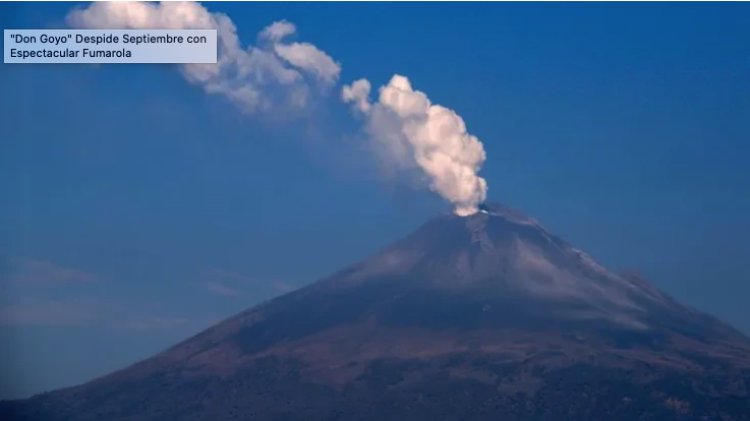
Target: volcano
point(468, 318)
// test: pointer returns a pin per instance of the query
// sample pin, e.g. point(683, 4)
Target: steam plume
point(411, 130)
point(276, 73)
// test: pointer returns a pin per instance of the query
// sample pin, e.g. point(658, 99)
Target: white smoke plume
point(411, 130)
point(278, 74)
point(275, 73)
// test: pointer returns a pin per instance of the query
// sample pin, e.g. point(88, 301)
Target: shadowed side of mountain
point(482, 317)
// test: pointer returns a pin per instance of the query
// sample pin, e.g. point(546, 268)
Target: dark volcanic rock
point(483, 317)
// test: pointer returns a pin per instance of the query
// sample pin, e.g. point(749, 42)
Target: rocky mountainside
point(482, 317)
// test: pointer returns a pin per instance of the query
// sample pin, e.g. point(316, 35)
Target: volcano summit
point(481, 317)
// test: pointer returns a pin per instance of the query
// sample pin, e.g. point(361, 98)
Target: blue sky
point(137, 210)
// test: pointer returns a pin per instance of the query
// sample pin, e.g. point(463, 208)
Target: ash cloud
point(280, 75)
point(411, 131)
point(274, 74)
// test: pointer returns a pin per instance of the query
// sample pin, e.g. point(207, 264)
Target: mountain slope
point(483, 317)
